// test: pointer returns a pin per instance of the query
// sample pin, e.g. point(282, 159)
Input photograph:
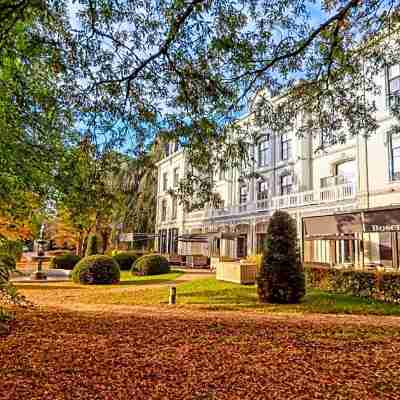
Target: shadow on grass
point(222, 296)
point(145, 282)
point(315, 301)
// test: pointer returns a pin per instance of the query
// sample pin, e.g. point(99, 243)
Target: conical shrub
point(281, 278)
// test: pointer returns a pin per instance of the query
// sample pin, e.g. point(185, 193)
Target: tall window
point(286, 184)
point(176, 176)
point(221, 176)
point(395, 161)
point(174, 212)
point(262, 190)
point(164, 210)
point(393, 81)
point(243, 195)
point(264, 153)
point(165, 181)
point(345, 172)
point(166, 149)
point(285, 147)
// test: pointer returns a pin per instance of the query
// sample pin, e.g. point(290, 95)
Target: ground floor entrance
point(368, 238)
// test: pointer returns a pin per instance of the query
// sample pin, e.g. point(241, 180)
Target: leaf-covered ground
point(162, 352)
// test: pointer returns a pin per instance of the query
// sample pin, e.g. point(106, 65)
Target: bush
point(151, 264)
point(65, 261)
point(125, 259)
point(376, 285)
point(281, 278)
point(92, 247)
point(96, 269)
point(7, 265)
point(13, 248)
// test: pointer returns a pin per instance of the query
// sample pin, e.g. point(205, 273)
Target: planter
point(197, 261)
point(243, 273)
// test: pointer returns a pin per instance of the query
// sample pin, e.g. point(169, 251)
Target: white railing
point(301, 199)
point(194, 215)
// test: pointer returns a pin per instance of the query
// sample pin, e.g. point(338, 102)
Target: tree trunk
point(104, 240)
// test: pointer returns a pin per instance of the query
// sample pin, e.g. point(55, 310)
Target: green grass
point(128, 278)
point(215, 295)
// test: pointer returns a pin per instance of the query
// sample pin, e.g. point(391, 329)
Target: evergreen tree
point(281, 278)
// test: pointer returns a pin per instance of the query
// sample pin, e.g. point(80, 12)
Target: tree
point(137, 181)
point(281, 278)
point(92, 247)
point(86, 194)
point(34, 125)
point(185, 69)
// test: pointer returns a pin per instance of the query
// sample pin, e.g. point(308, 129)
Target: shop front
point(363, 239)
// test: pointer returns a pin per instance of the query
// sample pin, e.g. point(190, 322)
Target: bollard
point(172, 295)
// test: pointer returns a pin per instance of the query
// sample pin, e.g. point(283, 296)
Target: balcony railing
point(313, 197)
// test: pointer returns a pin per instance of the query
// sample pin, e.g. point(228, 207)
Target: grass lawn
point(128, 278)
point(216, 295)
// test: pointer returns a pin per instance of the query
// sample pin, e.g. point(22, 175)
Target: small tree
point(92, 247)
point(281, 278)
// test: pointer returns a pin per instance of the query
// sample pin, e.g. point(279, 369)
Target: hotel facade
point(345, 199)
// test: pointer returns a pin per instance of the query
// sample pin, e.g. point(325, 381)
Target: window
point(264, 153)
point(262, 190)
point(166, 149)
point(165, 181)
point(345, 172)
point(174, 208)
point(393, 82)
point(176, 176)
point(164, 210)
point(221, 176)
point(286, 184)
point(395, 161)
point(243, 195)
point(285, 147)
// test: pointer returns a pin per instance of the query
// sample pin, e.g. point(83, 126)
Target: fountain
point(40, 257)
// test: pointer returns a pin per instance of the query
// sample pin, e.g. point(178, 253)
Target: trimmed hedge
point(126, 259)
point(372, 284)
point(151, 264)
point(65, 261)
point(97, 270)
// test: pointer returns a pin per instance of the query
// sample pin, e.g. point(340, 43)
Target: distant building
point(336, 196)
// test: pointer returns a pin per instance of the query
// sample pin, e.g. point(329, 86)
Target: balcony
point(320, 196)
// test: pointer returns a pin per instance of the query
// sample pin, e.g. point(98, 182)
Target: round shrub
point(151, 264)
point(125, 259)
point(97, 269)
point(65, 261)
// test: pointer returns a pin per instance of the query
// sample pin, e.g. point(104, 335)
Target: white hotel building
point(346, 199)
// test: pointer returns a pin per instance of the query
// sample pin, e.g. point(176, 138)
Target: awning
point(332, 237)
point(332, 226)
point(382, 221)
point(193, 238)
